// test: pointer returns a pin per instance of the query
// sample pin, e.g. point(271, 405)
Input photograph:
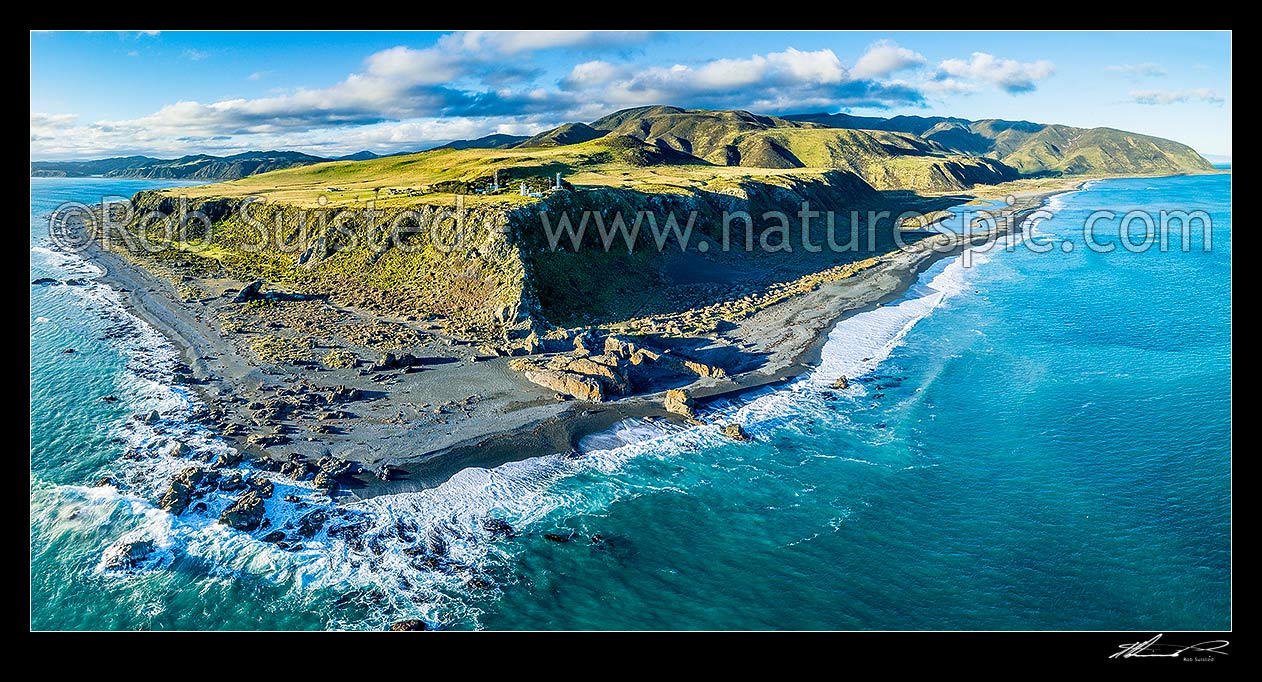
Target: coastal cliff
point(495, 270)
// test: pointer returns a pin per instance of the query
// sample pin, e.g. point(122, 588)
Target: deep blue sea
point(1038, 441)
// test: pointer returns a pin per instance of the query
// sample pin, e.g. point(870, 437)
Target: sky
point(171, 93)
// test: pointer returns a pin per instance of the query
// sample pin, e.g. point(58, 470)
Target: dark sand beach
point(412, 427)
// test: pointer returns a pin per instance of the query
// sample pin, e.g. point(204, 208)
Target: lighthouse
point(523, 188)
point(558, 185)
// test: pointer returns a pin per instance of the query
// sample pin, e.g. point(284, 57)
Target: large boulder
point(620, 346)
point(250, 292)
point(679, 402)
point(570, 384)
point(735, 432)
point(246, 513)
point(602, 368)
point(125, 556)
point(333, 466)
point(392, 360)
point(185, 485)
point(689, 366)
point(409, 625)
point(296, 468)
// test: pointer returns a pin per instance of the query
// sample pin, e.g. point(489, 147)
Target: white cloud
point(1159, 97)
point(1008, 75)
point(405, 97)
point(428, 66)
point(1142, 69)
point(151, 34)
point(592, 74)
point(195, 55)
point(514, 42)
point(259, 75)
point(884, 58)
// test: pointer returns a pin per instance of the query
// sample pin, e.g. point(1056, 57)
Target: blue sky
point(165, 93)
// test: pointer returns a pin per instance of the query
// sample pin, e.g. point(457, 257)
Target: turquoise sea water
point(1037, 441)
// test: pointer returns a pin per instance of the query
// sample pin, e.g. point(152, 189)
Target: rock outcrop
point(126, 556)
point(618, 366)
point(679, 402)
point(569, 384)
point(246, 513)
point(184, 486)
point(735, 432)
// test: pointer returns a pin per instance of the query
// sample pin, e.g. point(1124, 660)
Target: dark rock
point(260, 485)
point(498, 528)
point(246, 513)
point(68, 351)
point(45, 281)
point(75, 282)
point(109, 398)
point(104, 481)
point(333, 466)
point(409, 625)
point(190, 481)
point(392, 360)
point(274, 536)
point(226, 459)
point(128, 555)
point(290, 498)
point(324, 481)
point(841, 382)
point(437, 544)
point(478, 583)
point(249, 293)
point(232, 483)
point(311, 524)
point(553, 537)
point(296, 469)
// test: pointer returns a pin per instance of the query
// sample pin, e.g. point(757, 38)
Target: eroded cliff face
point(493, 271)
point(453, 262)
point(587, 274)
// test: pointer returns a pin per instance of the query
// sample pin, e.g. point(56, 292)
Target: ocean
point(1037, 441)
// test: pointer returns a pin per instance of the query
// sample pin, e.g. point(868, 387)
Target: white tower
point(495, 181)
point(558, 185)
point(523, 188)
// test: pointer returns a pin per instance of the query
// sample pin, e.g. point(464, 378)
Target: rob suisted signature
point(1154, 649)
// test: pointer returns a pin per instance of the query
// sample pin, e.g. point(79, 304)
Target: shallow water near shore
point(1038, 441)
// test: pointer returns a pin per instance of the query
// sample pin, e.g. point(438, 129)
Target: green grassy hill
point(492, 141)
point(570, 133)
point(195, 167)
point(1036, 147)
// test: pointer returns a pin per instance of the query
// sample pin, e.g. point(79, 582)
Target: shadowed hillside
point(1036, 147)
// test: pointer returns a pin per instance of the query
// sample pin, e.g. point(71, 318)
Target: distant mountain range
point(195, 167)
point(1035, 147)
point(493, 141)
point(970, 152)
point(925, 152)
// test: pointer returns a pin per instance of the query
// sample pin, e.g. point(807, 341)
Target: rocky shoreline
point(371, 405)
